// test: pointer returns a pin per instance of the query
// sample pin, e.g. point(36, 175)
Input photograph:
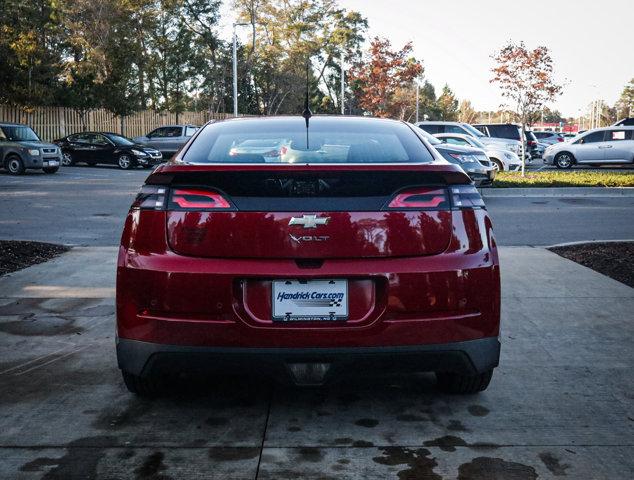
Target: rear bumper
point(472, 356)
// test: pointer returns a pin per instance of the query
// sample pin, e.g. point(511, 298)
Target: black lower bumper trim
point(472, 356)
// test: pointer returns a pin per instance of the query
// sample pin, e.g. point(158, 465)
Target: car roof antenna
point(307, 113)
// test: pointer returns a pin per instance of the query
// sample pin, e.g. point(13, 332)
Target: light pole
point(343, 86)
point(235, 68)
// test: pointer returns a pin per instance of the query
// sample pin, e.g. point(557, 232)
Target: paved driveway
point(560, 405)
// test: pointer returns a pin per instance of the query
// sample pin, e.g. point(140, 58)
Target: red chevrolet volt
point(346, 244)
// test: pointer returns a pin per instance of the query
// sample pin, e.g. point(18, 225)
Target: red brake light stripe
point(201, 199)
point(434, 198)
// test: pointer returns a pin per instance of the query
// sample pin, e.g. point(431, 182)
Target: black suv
point(21, 149)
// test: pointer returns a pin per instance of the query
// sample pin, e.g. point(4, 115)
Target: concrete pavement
point(559, 405)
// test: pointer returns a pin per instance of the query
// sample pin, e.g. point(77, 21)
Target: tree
point(380, 79)
point(466, 113)
point(447, 104)
point(31, 48)
point(289, 34)
point(526, 79)
point(625, 104)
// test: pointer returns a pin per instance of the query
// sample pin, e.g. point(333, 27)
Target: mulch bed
point(614, 259)
point(16, 255)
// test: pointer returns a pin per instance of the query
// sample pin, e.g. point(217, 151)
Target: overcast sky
point(592, 42)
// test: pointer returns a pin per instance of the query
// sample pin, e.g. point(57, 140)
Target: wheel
point(499, 164)
point(125, 162)
point(142, 386)
point(463, 384)
point(15, 165)
point(50, 169)
point(67, 159)
point(564, 160)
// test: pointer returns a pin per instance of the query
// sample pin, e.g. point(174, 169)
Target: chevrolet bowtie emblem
point(309, 221)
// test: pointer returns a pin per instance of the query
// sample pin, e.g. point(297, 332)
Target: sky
point(591, 42)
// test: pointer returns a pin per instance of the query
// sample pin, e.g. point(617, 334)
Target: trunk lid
point(305, 213)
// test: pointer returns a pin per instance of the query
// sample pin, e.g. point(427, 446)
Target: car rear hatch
point(310, 212)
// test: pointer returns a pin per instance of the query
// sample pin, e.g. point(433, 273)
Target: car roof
point(494, 124)
point(178, 125)
point(610, 127)
point(438, 122)
point(461, 135)
point(316, 118)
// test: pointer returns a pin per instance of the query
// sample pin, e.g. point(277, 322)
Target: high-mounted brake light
point(150, 197)
point(195, 198)
point(466, 196)
point(421, 198)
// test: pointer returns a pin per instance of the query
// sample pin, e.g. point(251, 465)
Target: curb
point(492, 192)
point(588, 242)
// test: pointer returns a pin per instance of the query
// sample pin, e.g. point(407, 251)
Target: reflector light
point(466, 196)
point(420, 198)
point(150, 197)
point(195, 198)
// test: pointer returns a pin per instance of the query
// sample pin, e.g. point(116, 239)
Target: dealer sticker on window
point(310, 300)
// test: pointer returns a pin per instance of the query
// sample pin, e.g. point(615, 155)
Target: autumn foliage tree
point(382, 81)
point(525, 78)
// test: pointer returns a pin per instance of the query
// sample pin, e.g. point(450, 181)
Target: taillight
point(560, 139)
point(465, 196)
point(421, 198)
point(532, 143)
point(150, 197)
point(197, 199)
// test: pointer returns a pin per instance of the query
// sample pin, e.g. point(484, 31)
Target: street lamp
point(235, 67)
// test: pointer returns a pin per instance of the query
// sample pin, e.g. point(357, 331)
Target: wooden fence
point(51, 123)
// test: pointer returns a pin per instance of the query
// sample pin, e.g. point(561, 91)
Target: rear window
point(504, 131)
point(326, 140)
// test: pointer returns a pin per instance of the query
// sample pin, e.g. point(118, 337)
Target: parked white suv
point(606, 145)
point(435, 127)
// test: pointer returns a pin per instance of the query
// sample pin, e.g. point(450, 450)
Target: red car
point(352, 247)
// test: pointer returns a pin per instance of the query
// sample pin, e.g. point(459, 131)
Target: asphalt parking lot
point(87, 206)
point(560, 404)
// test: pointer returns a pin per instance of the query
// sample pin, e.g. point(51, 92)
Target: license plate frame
point(315, 300)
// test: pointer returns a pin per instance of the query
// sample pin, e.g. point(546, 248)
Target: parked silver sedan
point(608, 145)
point(504, 159)
point(168, 139)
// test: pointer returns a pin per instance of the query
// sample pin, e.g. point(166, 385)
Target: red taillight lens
point(421, 198)
point(150, 197)
point(532, 143)
point(466, 196)
point(197, 199)
point(560, 139)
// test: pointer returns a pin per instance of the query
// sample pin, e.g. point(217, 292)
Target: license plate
point(310, 300)
point(51, 163)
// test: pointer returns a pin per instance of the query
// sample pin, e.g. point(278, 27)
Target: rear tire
point(564, 160)
point(462, 384)
point(50, 169)
point(142, 386)
point(15, 165)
